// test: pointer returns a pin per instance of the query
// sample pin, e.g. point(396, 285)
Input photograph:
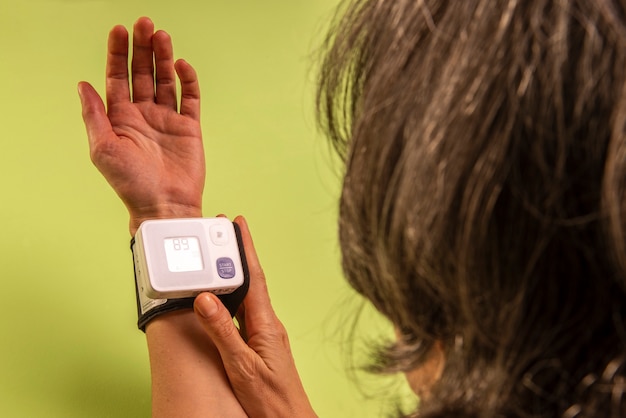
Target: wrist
point(166, 211)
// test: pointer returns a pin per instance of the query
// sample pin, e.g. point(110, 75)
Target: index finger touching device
point(177, 258)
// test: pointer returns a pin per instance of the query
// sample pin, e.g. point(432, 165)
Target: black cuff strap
point(156, 307)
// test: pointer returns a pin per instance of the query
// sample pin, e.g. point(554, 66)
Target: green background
point(69, 344)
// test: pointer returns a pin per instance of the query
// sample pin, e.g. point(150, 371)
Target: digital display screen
point(183, 254)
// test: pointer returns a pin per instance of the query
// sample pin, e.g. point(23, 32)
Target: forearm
point(188, 378)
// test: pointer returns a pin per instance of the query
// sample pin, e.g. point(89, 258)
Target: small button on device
point(219, 234)
point(225, 268)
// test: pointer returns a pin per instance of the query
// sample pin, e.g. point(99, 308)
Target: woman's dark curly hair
point(483, 203)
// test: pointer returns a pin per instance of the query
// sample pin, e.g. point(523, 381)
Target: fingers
point(165, 75)
point(190, 90)
point(260, 294)
point(256, 313)
point(218, 324)
point(152, 67)
point(142, 62)
point(257, 305)
point(153, 60)
point(117, 90)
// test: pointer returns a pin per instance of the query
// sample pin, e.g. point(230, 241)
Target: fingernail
point(242, 220)
point(206, 306)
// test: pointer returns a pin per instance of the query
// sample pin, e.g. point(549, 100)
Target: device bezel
point(160, 282)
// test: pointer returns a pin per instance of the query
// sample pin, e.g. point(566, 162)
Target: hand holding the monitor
point(257, 357)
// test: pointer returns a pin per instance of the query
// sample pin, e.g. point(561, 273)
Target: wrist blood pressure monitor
point(177, 259)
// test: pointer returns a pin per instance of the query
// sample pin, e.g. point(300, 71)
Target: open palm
point(149, 151)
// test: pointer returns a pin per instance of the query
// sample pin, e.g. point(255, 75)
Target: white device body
point(178, 258)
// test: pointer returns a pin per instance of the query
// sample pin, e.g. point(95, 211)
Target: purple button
point(225, 268)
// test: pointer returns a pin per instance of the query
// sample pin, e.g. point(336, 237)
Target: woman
point(482, 207)
point(483, 200)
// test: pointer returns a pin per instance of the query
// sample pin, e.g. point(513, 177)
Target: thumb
point(94, 113)
point(218, 324)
